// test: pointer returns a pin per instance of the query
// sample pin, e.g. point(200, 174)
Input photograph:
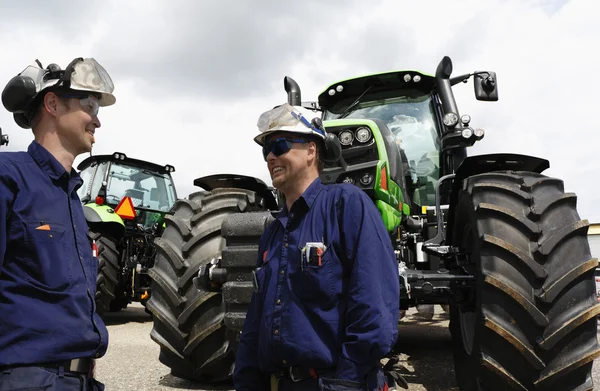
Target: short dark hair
point(320, 145)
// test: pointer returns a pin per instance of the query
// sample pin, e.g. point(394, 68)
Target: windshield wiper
point(353, 104)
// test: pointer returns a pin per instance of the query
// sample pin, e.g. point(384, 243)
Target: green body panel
point(391, 216)
point(393, 197)
point(106, 213)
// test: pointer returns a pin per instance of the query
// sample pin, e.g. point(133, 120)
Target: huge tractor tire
point(189, 323)
point(108, 272)
point(530, 323)
point(242, 233)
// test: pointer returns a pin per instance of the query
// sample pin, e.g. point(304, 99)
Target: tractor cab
point(138, 191)
point(403, 106)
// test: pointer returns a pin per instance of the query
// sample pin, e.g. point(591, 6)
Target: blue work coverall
point(47, 276)
point(334, 318)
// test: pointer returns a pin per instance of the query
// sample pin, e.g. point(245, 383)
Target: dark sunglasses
point(279, 146)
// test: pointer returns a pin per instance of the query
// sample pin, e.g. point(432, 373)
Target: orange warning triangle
point(125, 209)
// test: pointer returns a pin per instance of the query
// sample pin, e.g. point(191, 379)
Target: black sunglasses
point(279, 146)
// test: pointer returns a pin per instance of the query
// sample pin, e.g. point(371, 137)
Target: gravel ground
point(131, 362)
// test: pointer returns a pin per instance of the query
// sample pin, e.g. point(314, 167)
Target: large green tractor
point(488, 236)
point(125, 201)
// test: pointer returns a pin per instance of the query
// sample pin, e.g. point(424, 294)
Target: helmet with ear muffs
point(332, 149)
point(22, 93)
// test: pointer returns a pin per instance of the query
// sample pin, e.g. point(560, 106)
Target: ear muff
point(22, 120)
point(332, 147)
point(18, 94)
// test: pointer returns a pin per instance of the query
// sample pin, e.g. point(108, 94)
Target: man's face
point(291, 165)
point(77, 123)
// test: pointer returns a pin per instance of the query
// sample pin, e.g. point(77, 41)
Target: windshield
point(412, 120)
point(147, 189)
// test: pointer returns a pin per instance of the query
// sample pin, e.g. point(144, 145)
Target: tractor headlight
point(363, 134)
point(366, 179)
point(346, 137)
point(479, 133)
point(450, 120)
point(467, 132)
point(349, 180)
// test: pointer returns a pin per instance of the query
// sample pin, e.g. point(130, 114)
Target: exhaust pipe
point(293, 91)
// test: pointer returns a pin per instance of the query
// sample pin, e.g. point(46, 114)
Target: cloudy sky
point(192, 77)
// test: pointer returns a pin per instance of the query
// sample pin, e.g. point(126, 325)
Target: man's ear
point(312, 149)
point(51, 104)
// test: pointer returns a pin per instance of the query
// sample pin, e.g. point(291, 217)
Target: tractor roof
point(385, 81)
point(119, 157)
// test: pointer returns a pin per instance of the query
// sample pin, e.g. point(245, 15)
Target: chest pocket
point(317, 283)
point(47, 262)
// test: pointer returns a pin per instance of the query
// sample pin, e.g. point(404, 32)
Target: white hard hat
point(85, 75)
point(288, 118)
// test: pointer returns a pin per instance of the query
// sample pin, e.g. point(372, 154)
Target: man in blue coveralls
point(50, 333)
point(325, 308)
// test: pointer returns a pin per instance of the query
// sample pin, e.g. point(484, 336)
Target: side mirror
point(486, 87)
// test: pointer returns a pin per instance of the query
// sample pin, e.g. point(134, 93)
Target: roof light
point(119, 156)
point(332, 92)
point(417, 78)
point(169, 168)
point(339, 88)
point(479, 133)
point(407, 78)
point(465, 119)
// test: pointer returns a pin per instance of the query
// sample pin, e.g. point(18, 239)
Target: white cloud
point(235, 58)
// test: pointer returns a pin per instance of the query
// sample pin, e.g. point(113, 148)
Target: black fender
point(235, 181)
point(479, 164)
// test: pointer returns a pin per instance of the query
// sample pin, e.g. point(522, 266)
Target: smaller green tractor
point(125, 201)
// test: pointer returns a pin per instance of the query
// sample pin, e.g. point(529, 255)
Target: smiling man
point(50, 333)
point(325, 308)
